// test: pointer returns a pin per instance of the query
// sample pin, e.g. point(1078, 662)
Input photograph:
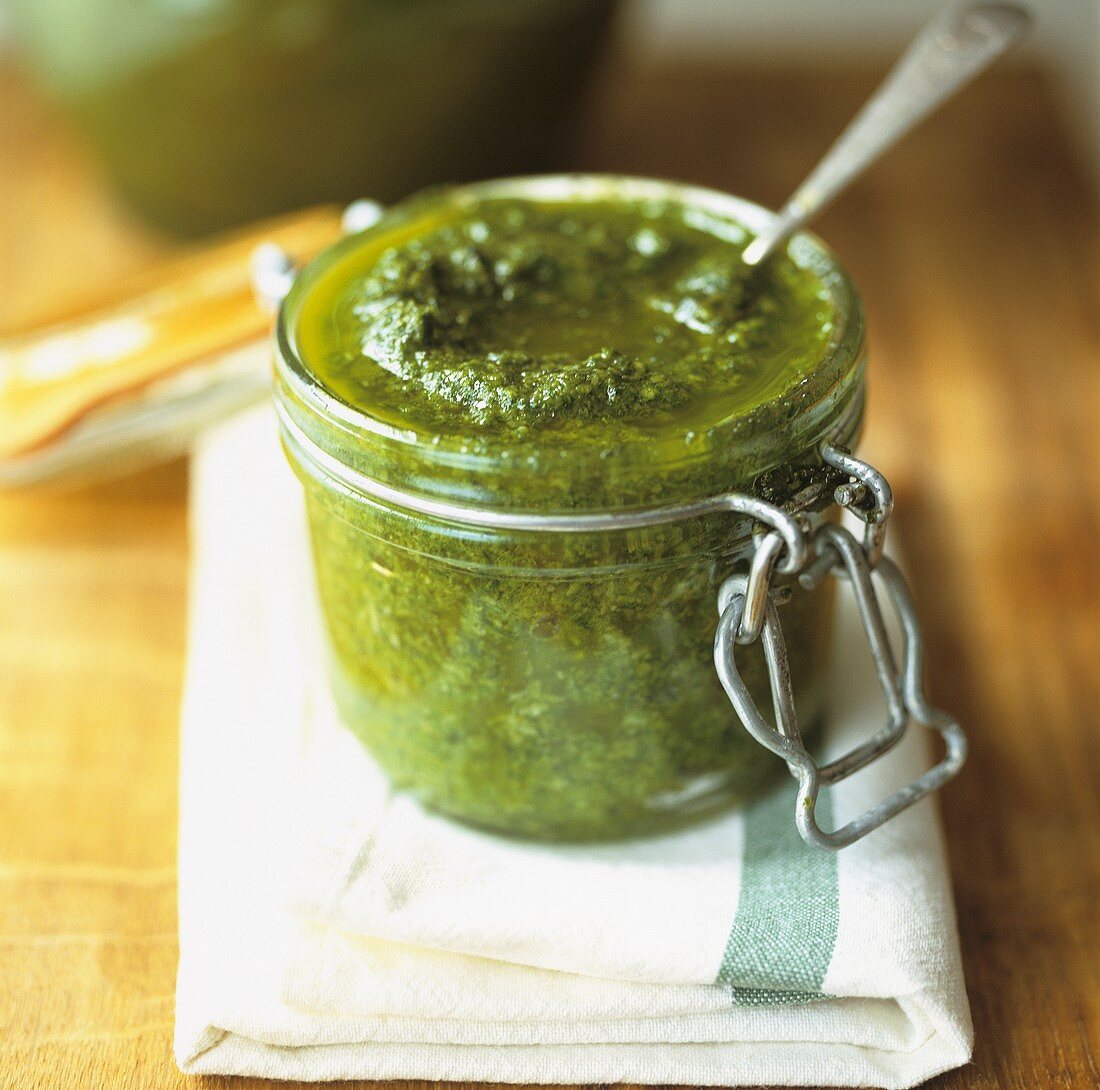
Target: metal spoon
point(952, 49)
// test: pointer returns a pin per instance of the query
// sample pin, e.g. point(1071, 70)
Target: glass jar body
point(567, 697)
point(559, 682)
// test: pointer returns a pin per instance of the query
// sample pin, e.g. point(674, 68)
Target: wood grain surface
point(976, 247)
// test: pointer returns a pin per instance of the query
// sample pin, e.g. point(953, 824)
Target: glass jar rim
point(810, 408)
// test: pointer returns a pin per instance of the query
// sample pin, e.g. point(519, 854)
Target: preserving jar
point(523, 637)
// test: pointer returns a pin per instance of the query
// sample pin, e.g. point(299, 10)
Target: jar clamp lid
point(791, 551)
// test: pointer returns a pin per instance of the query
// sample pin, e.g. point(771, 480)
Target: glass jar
point(210, 113)
point(524, 675)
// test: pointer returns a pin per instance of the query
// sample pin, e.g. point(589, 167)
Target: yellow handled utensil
point(178, 347)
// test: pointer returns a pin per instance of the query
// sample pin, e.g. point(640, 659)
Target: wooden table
point(976, 247)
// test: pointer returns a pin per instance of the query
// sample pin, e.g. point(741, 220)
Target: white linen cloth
point(331, 929)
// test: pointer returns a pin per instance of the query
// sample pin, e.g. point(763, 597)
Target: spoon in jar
point(952, 49)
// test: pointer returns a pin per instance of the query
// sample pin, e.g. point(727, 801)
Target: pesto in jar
point(506, 347)
point(507, 319)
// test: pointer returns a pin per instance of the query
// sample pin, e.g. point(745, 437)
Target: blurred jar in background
point(209, 113)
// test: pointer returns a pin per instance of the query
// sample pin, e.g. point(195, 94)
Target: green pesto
point(513, 318)
point(565, 705)
point(553, 685)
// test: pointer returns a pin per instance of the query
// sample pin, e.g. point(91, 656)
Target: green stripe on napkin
point(783, 934)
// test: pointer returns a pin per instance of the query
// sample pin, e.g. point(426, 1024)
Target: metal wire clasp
point(748, 611)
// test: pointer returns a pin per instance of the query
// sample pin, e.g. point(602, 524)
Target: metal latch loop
point(903, 688)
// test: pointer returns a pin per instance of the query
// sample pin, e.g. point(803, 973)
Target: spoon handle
point(951, 50)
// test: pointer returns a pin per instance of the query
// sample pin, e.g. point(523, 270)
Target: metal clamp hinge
point(748, 611)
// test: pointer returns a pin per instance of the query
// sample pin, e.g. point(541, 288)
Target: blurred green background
point(209, 113)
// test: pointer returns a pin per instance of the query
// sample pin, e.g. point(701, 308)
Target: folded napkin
point(331, 929)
